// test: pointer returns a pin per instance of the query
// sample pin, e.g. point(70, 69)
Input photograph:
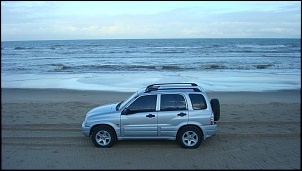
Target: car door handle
point(181, 114)
point(150, 116)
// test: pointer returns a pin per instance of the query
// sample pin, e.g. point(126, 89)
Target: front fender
point(115, 127)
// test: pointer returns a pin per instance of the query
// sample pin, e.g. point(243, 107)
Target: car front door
point(139, 119)
point(173, 113)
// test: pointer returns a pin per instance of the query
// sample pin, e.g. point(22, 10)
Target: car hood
point(101, 110)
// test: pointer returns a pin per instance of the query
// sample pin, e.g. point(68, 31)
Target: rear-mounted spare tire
point(216, 109)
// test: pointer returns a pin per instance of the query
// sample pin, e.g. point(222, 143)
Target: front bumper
point(85, 129)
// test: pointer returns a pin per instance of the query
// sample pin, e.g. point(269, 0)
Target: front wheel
point(189, 137)
point(103, 136)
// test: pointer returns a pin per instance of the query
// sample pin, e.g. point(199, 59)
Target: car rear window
point(198, 101)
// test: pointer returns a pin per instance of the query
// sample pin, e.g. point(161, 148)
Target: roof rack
point(192, 84)
point(154, 87)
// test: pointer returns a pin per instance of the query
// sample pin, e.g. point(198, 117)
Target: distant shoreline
point(57, 94)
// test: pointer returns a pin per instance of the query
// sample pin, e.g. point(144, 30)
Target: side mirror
point(126, 111)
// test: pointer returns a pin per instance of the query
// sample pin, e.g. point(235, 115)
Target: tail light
point(212, 120)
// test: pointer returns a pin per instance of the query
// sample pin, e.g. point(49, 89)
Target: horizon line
point(145, 39)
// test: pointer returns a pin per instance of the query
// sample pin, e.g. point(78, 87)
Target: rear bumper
point(209, 130)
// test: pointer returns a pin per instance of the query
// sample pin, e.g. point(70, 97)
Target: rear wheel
point(103, 136)
point(189, 137)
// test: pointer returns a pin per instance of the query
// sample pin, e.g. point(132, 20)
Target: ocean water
point(130, 64)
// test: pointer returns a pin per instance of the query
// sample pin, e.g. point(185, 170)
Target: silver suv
point(170, 111)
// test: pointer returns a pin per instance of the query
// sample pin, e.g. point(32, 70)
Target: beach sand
point(41, 129)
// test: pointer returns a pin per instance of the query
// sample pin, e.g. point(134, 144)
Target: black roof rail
point(192, 84)
point(154, 87)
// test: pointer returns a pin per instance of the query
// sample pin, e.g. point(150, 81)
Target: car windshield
point(123, 103)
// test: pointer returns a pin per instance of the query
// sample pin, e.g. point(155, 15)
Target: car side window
point(143, 104)
point(172, 102)
point(198, 101)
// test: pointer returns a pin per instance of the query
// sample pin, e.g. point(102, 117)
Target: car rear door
point(173, 113)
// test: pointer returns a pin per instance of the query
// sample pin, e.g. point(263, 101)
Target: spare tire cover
point(216, 109)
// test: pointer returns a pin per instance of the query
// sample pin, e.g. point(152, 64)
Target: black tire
point(216, 109)
point(103, 136)
point(189, 137)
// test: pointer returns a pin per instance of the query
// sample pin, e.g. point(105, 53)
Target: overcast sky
point(65, 20)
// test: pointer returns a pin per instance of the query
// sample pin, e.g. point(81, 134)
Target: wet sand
point(41, 129)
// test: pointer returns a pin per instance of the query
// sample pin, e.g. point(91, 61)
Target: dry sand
point(41, 129)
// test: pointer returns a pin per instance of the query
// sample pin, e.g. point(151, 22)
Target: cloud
point(92, 20)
